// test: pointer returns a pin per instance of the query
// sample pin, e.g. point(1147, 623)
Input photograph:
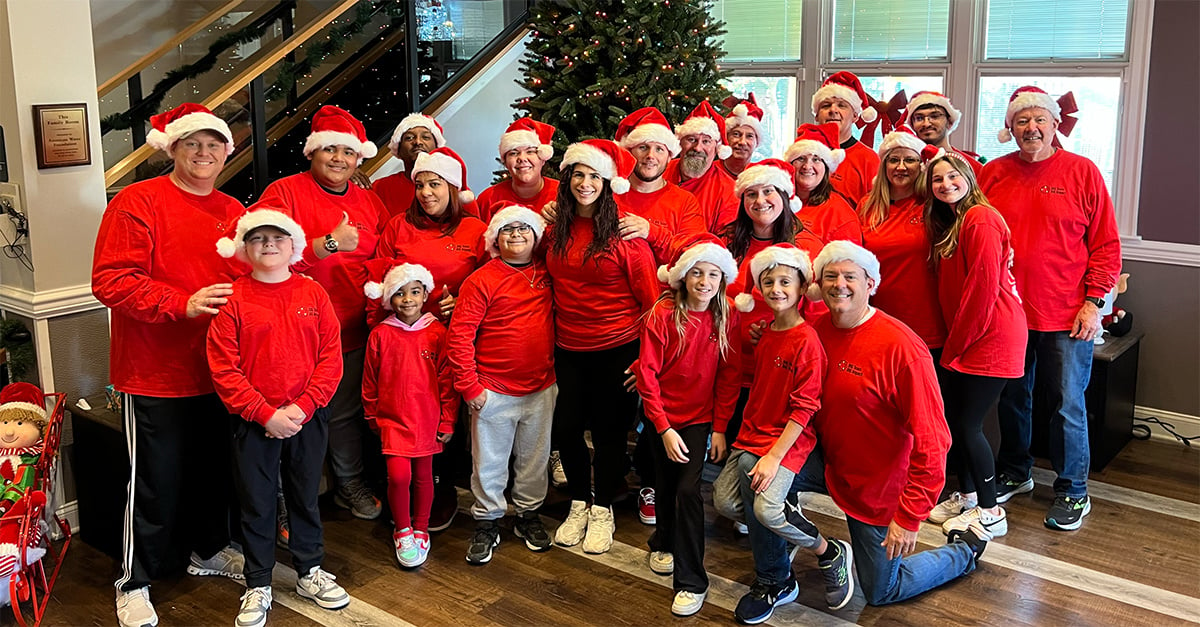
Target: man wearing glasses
point(933, 118)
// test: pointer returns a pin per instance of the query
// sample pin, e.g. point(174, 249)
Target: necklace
point(531, 279)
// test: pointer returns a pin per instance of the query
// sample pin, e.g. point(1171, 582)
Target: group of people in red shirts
point(828, 321)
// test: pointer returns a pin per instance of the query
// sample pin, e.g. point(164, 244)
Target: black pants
point(968, 399)
point(180, 490)
point(679, 508)
point(259, 463)
point(591, 396)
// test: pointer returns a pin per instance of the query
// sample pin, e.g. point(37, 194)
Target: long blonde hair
point(943, 222)
point(873, 209)
point(718, 307)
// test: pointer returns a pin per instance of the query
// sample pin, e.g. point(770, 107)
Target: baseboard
point(1186, 424)
point(70, 513)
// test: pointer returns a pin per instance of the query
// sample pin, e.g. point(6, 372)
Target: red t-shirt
point(408, 394)
point(979, 300)
point(908, 284)
point(686, 380)
point(713, 192)
point(502, 332)
point(1064, 233)
point(502, 194)
point(853, 176)
point(342, 274)
point(157, 245)
point(882, 425)
point(788, 371)
point(831, 220)
point(674, 216)
point(275, 344)
point(599, 302)
point(449, 258)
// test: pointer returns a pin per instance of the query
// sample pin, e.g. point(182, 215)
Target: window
point(1062, 29)
point(886, 30)
point(760, 30)
point(884, 87)
point(775, 94)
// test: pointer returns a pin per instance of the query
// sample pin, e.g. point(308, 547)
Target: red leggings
point(410, 490)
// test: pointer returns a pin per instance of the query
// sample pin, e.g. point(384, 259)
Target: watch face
point(331, 245)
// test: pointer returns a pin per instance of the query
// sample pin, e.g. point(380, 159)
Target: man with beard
point(933, 118)
point(524, 149)
point(840, 99)
point(702, 141)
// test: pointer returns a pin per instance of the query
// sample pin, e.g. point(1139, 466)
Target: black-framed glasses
point(523, 229)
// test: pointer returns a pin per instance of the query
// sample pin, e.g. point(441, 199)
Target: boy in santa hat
point(276, 358)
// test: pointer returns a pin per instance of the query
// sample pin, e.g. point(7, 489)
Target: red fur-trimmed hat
point(528, 132)
point(783, 254)
point(606, 157)
point(846, 86)
point(746, 113)
point(704, 120)
point(24, 402)
point(416, 120)
point(770, 172)
point(927, 98)
point(820, 140)
point(705, 247)
point(646, 125)
point(333, 126)
point(187, 118)
point(445, 163)
point(1024, 98)
point(506, 216)
point(236, 246)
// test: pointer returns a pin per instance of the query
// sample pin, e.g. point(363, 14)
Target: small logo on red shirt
point(307, 312)
point(785, 364)
point(917, 219)
point(428, 354)
point(850, 368)
point(1053, 189)
point(458, 248)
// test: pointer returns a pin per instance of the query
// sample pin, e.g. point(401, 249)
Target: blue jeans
point(886, 581)
point(1063, 367)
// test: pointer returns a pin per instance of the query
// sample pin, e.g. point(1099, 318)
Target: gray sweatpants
point(517, 427)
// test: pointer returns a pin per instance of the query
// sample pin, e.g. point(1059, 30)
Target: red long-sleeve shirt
point(342, 274)
point(449, 258)
point(502, 332)
point(686, 380)
point(789, 369)
point(882, 425)
point(155, 248)
point(408, 392)
point(598, 303)
point(853, 176)
point(275, 344)
point(908, 282)
point(502, 194)
point(674, 215)
point(987, 328)
point(1064, 233)
point(396, 193)
point(972, 160)
point(714, 194)
point(831, 220)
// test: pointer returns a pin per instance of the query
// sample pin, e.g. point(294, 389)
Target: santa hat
point(605, 157)
point(416, 120)
point(184, 120)
point(706, 247)
point(1024, 98)
point(24, 402)
point(844, 250)
point(746, 113)
point(528, 132)
point(902, 137)
point(820, 140)
point(769, 172)
point(395, 279)
point(784, 254)
point(445, 163)
point(931, 152)
point(927, 98)
point(845, 86)
point(227, 247)
point(506, 216)
point(332, 126)
point(646, 125)
point(704, 120)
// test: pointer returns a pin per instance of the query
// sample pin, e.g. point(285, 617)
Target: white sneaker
point(600, 528)
point(318, 585)
point(741, 528)
point(996, 526)
point(228, 562)
point(558, 477)
point(255, 605)
point(950, 508)
point(572, 530)
point(135, 610)
point(688, 603)
point(662, 562)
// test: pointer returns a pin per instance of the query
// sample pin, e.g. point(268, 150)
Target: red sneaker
point(646, 506)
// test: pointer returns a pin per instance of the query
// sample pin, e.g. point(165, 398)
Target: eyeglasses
point(259, 240)
point(932, 117)
point(908, 161)
point(523, 229)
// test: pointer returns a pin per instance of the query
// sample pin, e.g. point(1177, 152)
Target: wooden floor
point(1136, 561)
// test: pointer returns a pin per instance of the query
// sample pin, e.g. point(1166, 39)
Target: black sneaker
point(529, 527)
point(1007, 487)
point(974, 536)
point(759, 604)
point(839, 583)
point(1067, 513)
point(486, 538)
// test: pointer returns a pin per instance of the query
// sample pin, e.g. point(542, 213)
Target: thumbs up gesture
point(346, 234)
point(447, 302)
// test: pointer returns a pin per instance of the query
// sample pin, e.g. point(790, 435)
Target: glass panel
point(1063, 29)
point(885, 30)
point(451, 32)
point(1095, 135)
point(777, 97)
point(760, 30)
point(884, 87)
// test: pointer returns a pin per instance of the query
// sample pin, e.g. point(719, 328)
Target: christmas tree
point(592, 62)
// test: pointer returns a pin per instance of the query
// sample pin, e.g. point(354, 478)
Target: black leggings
point(968, 398)
point(591, 395)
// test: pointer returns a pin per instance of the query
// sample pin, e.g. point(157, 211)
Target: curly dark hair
point(605, 219)
point(448, 221)
point(738, 234)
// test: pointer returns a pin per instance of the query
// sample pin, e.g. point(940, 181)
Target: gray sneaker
point(1007, 487)
point(839, 582)
point(318, 585)
point(255, 605)
point(356, 497)
point(226, 563)
point(135, 610)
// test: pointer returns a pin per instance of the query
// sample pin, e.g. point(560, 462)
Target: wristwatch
point(331, 244)
point(1098, 302)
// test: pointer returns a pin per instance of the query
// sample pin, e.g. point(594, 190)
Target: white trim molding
point(1168, 253)
point(1186, 424)
point(46, 304)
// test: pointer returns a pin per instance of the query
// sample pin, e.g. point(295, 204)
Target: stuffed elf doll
point(22, 422)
